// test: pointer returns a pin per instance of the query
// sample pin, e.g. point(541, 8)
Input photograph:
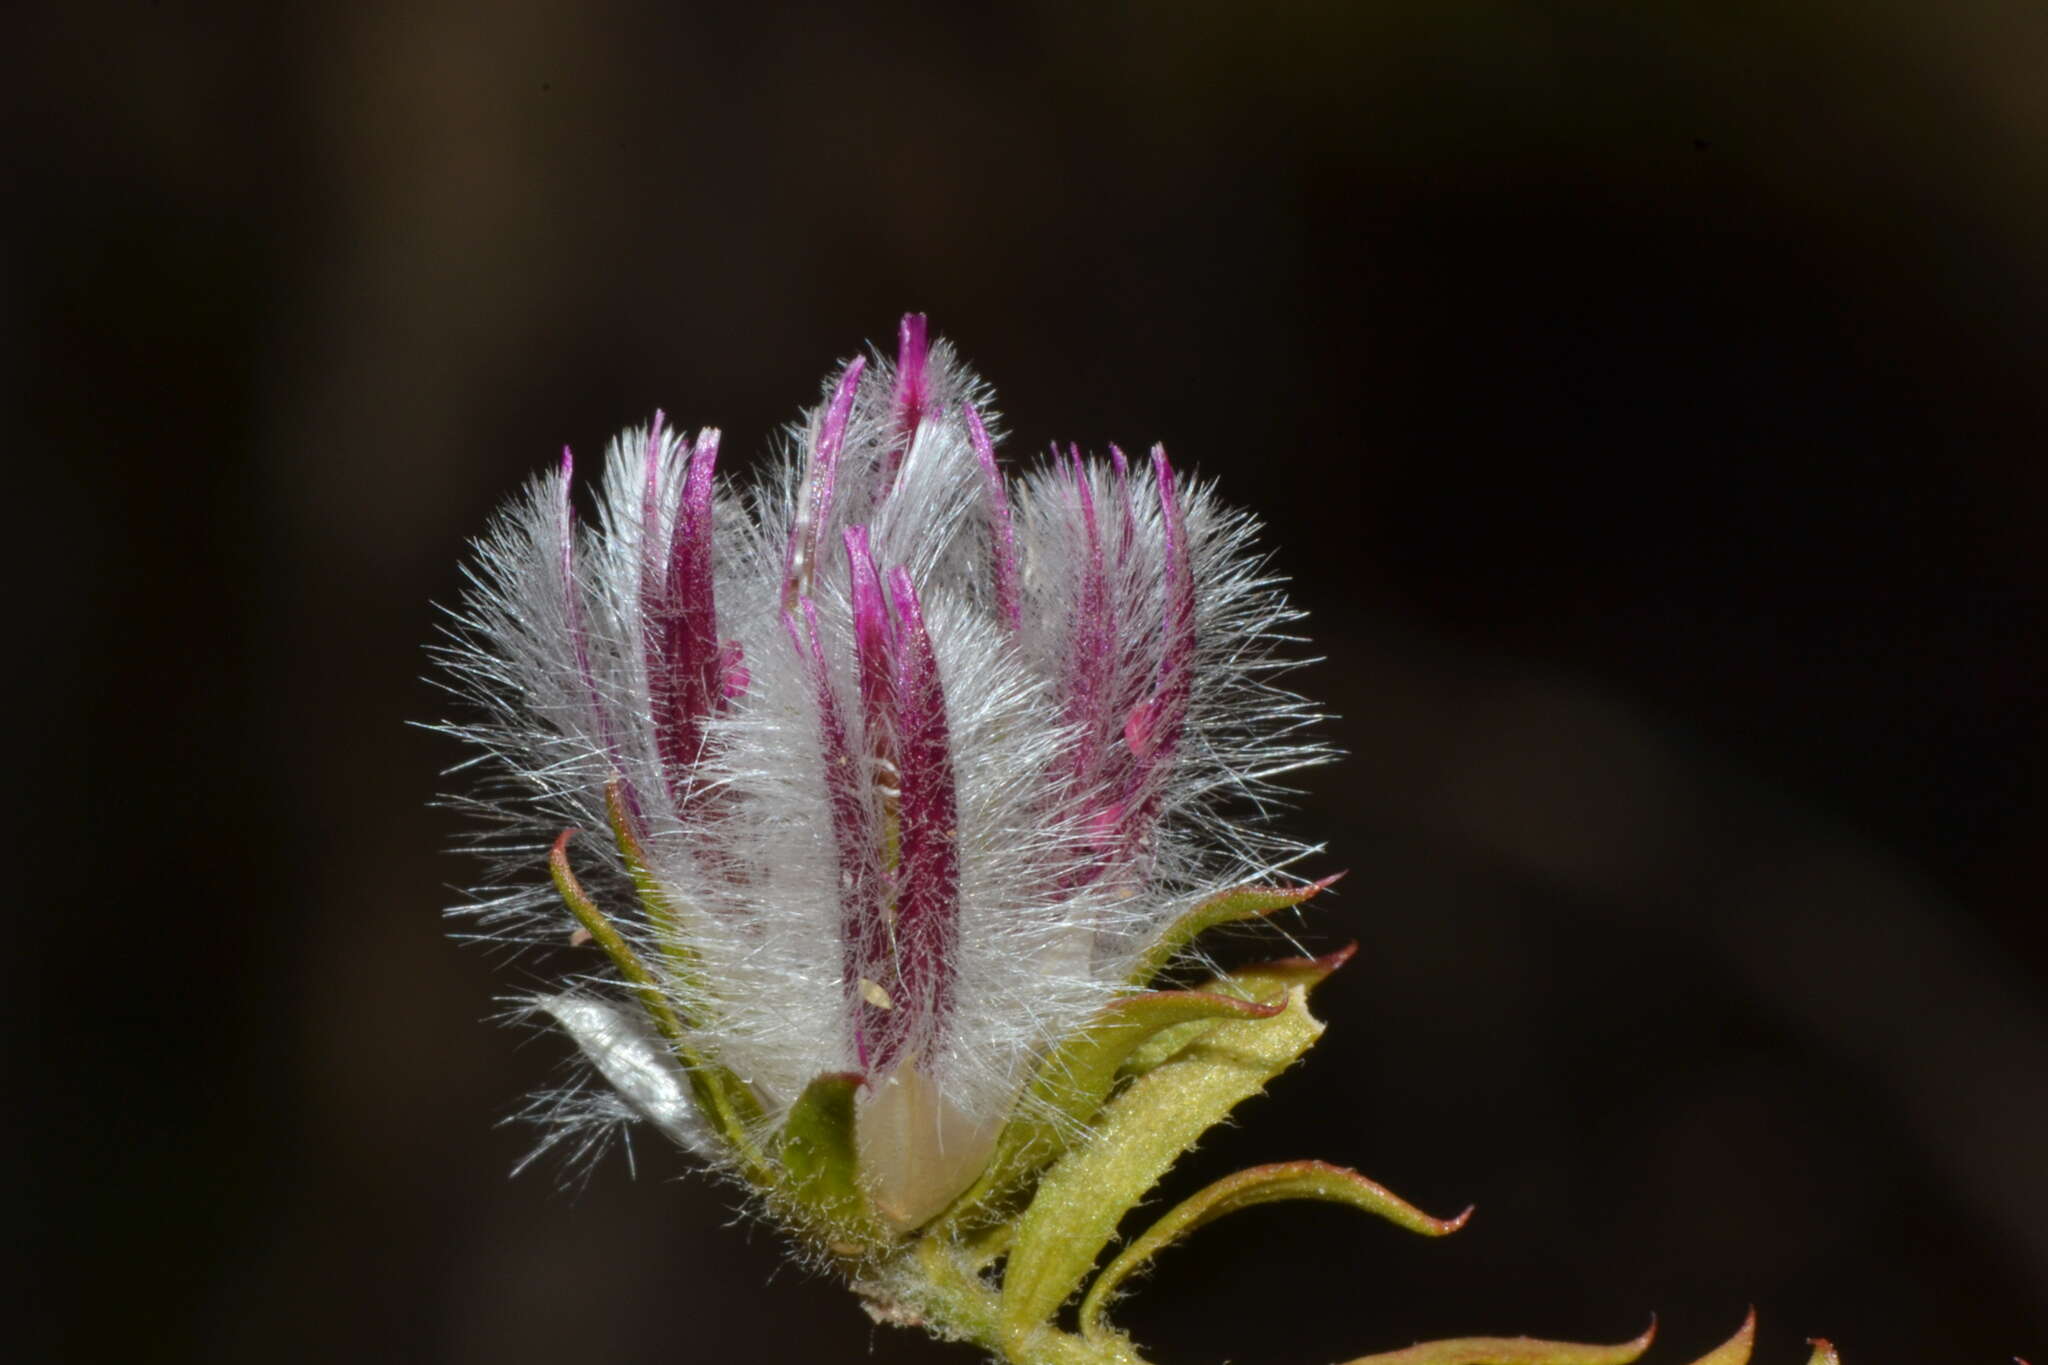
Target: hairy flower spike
point(909, 809)
point(917, 775)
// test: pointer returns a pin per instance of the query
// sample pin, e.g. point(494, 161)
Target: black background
point(1645, 400)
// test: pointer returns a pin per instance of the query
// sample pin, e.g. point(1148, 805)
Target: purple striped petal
point(1127, 525)
point(815, 498)
point(1092, 640)
point(1153, 729)
point(874, 643)
point(863, 937)
point(1003, 531)
point(683, 658)
point(872, 982)
point(928, 877)
point(690, 578)
point(912, 396)
point(653, 548)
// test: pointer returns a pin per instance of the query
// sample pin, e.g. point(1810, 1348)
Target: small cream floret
point(917, 1150)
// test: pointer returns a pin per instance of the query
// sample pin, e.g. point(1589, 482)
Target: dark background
point(1646, 401)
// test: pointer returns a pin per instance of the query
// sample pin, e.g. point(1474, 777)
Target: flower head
point(904, 767)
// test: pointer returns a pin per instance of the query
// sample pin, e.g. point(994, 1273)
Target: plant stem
point(936, 1281)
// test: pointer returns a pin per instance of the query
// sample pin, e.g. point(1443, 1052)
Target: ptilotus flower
point(876, 797)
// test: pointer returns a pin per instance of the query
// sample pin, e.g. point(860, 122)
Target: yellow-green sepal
point(820, 1165)
point(1139, 1134)
point(1316, 1180)
point(1239, 903)
point(1262, 981)
point(1072, 1084)
point(1513, 1351)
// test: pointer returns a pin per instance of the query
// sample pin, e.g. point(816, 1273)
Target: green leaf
point(1512, 1351)
point(1259, 1185)
point(820, 1165)
point(1824, 1353)
point(1072, 1084)
point(1140, 1133)
point(1263, 981)
point(1240, 903)
point(1735, 1350)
